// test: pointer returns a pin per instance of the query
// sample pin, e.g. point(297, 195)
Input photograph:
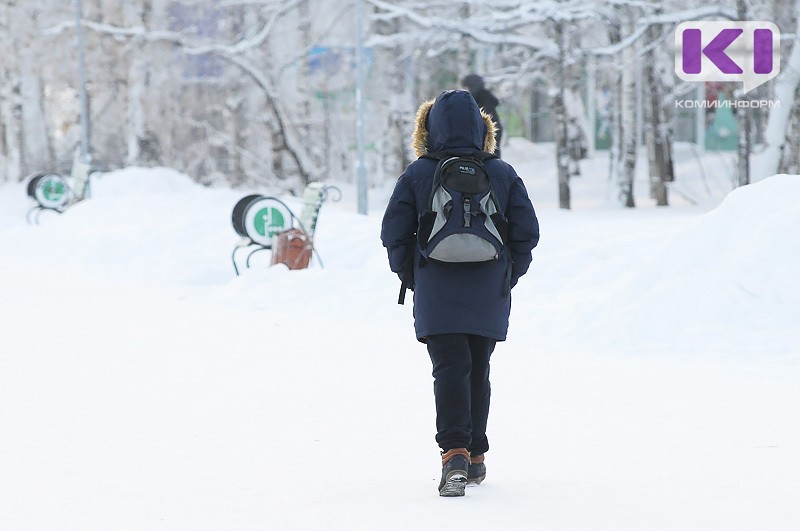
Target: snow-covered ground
point(650, 379)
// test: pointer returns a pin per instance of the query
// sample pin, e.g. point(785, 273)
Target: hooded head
point(473, 83)
point(451, 121)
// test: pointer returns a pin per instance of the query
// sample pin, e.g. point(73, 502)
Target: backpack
point(462, 222)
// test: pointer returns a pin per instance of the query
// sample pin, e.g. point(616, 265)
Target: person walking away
point(461, 304)
point(486, 101)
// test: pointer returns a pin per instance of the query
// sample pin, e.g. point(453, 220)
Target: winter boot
point(477, 470)
point(455, 464)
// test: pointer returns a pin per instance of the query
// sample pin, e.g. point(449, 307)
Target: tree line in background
point(260, 93)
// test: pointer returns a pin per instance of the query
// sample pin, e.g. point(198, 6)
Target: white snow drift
point(649, 380)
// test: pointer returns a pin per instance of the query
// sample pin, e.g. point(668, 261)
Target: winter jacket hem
point(491, 334)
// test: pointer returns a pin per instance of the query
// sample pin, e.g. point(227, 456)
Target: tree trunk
point(234, 122)
point(136, 126)
point(142, 145)
point(560, 114)
point(10, 113)
point(655, 127)
point(464, 66)
point(396, 98)
point(278, 148)
point(743, 149)
point(628, 128)
point(37, 148)
point(28, 112)
point(743, 121)
point(615, 104)
point(786, 85)
point(791, 160)
point(302, 114)
point(577, 124)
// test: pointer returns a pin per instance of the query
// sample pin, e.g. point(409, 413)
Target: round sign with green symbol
point(265, 218)
point(51, 191)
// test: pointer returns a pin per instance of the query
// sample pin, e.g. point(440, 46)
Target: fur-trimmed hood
point(453, 120)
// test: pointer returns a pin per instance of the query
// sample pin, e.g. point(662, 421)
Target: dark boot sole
point(475, 481)
point(454, 486)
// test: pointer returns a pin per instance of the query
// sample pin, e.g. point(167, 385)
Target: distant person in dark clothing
point(486, 101)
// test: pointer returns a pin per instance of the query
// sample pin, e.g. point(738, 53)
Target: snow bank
point(730, 268)
point(728, 277)
point(144, 386)
point(757, 238)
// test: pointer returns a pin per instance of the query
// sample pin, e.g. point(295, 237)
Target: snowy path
point(148, 389)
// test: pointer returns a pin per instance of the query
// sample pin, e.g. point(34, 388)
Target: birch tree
point(137, 80)
point(26, 141)
point(743, 121)
point(560, 114)
point(289, 136)
point(628, 140)
point(10, 152)
point(537, 33)
point(658, 132)
point(786, 86)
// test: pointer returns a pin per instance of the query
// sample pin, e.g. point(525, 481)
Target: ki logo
point(728, 51)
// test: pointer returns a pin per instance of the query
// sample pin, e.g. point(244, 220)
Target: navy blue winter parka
point(458, 297)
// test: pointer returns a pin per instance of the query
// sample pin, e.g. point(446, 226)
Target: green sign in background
point(53, 190)
point(269, 221)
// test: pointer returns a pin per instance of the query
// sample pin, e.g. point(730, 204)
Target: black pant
point(462, 390)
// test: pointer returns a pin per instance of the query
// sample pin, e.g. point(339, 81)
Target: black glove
point(410, 285)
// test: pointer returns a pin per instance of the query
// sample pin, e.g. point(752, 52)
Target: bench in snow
point(257, 219)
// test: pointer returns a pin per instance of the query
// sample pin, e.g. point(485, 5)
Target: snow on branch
point(178, 38)
point(455, 26)
point(672, 18)
point(259, 38)
point(298, 154)
point(233, 53)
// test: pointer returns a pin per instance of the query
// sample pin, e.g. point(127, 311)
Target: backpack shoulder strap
point(437, 177)
point(445, 157)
